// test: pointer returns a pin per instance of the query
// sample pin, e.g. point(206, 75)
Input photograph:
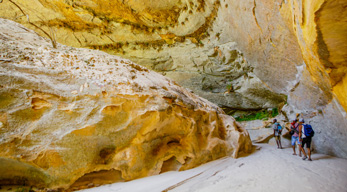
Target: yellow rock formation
point(123, 27)
point(71, 117)
point(96, 23)
point(269, 52)
point(321, 30)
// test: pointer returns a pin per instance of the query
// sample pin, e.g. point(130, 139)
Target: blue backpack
point(279, 128)
point(308, 131)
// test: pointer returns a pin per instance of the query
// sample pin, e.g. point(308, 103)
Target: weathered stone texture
point(245, 55)
point(188, 41)
point(82, 115)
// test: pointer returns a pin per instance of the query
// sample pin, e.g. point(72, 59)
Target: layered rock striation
point(188, 41)
point(243, 55)
point(210, 46)
point(71, 117)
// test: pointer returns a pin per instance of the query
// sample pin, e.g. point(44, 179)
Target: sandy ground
point(267, 169)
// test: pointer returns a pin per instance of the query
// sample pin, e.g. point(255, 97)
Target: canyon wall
point(242, 55)
point(73, 117)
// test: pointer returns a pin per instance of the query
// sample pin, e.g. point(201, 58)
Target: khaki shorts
point(278, 138)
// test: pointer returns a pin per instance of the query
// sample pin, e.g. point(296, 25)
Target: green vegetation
point(229, 87)
point(274, 112)
point(261, 115)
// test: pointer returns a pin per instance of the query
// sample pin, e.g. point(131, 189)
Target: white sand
point(267, 169)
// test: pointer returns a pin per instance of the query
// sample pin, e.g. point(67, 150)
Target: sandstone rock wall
point(70, 117)
point(186, 41)
point(245, 55)
point(292, 51)
point(320, 95)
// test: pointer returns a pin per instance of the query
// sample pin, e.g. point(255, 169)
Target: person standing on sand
point(277, 133)
point(295, 137)
point(304, 140)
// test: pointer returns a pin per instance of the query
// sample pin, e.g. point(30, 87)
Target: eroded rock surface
point(204, 44)
point(71, 114)
point(242, 55)
point(193, 42)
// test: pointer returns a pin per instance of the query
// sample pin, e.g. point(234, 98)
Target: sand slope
point(267, 169)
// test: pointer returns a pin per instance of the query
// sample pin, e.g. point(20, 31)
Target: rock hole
point(165, 88)
point(170, 165)
point(169, 110)
point(97, 178)
point(106, 154)
point(172, 142)
point(111, 109)
point(37, 103)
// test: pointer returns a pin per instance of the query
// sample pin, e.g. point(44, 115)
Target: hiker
point(294, 130)
point(304, 140)
point(277, 133)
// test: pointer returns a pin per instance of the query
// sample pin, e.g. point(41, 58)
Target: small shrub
point(260, 115)
point(274, 112)
point(229, 87)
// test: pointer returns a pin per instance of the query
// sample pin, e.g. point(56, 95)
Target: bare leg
point(303, 151)
point(309, 154)
point(279, 141)
point(294, 153)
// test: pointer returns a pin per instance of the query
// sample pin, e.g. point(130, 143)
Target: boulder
point(80, 117)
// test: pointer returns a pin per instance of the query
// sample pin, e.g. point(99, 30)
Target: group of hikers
point(301, 134)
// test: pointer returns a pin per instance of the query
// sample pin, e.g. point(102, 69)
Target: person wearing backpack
point(305, 134)
point(294, 132)
point(277, 133)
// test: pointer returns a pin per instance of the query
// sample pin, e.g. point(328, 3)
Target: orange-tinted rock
point(77, 115)
point(242, 55)
point(321, 31)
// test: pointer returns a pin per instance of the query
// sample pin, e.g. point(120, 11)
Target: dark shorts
point(307, 141)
